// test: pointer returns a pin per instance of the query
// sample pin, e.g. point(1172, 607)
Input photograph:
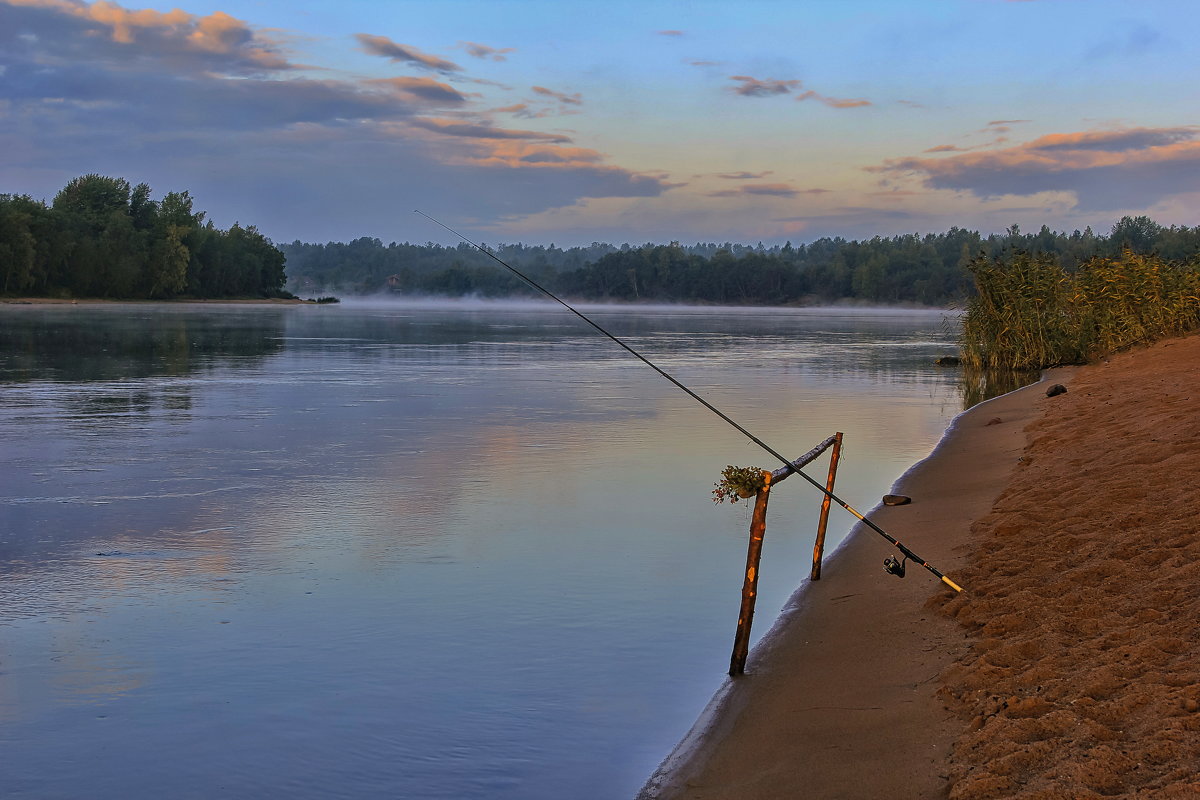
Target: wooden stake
point(819, 547)
point(758, 528)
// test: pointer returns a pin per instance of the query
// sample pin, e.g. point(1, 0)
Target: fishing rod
point(891, 565)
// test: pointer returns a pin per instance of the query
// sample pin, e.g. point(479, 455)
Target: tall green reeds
point(1030, 313)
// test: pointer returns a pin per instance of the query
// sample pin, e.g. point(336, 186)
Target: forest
point(101, 237)
point(930, 270)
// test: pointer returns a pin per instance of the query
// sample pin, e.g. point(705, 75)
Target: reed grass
point(1030, 313)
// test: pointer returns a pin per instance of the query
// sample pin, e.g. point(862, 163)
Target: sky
point(570, 122)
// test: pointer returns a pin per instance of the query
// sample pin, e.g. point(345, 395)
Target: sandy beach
point(1069, 666)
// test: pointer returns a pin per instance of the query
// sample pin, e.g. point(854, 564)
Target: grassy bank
point(1029, 312)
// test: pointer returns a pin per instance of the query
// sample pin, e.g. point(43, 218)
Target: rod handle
point(951, 584)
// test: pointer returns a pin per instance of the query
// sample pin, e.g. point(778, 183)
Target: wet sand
point(1068, 669)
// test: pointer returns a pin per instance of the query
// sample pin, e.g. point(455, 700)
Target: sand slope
point(1070, 668)
point(1083, 676)
point(840, 700)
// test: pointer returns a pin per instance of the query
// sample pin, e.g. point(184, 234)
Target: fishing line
point(786, 462)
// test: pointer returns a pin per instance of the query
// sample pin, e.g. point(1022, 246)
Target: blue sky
point(573, 122)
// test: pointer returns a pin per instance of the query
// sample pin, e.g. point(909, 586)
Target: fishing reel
point(893, 567)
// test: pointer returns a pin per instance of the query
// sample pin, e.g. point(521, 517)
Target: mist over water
point(407, 550)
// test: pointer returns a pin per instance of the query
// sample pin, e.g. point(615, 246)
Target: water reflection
point(118, 342)
point(977, 385)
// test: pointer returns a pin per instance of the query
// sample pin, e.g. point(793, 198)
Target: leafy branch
point(738, 483)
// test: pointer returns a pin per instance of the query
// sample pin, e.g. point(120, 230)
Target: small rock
point(896, 500)
point(1191, 705)
point(994, 421)
point(1056, 390)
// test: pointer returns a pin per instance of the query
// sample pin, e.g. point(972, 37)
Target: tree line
point(101, 237)
point(929, 269)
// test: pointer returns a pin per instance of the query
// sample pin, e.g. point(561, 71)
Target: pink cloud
point(1118, 169)
point(572, 99)
point(383, 46)
point(483, 51)
point(833, 102)
point(218, 33)
point(481, 130)
point(426, 89)
point(754, 87)
point(526, 154)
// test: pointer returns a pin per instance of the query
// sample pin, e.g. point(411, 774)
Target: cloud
point(526, 153)
point(759, 189)
point(483, 51)
point(151, 103)
point(1115, 141)
point(1104, 170)
point(998, 126)
point(669, 33)
point(480, 130)
point(211, 105)
point(946, 148)
point(281, 181)
point(743, 176)
point(833, 102)
point(571, 99)
point(426, 89)
point(753, 87)
point(523, 111)
point(770, 189)
point(385, 47)
point(107, 32)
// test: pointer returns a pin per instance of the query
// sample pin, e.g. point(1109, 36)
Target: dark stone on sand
point(896, 500)
point(994, 421)
point(948, 361)
point(1056, 390)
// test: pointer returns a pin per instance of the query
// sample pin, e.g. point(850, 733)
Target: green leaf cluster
point(101, 237)
point(738, 483)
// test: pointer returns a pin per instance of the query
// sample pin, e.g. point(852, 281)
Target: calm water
point(374, 551)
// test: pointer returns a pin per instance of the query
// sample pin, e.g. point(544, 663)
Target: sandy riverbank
point(1069, 666)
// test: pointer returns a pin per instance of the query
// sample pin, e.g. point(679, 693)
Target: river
point(407, 550)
